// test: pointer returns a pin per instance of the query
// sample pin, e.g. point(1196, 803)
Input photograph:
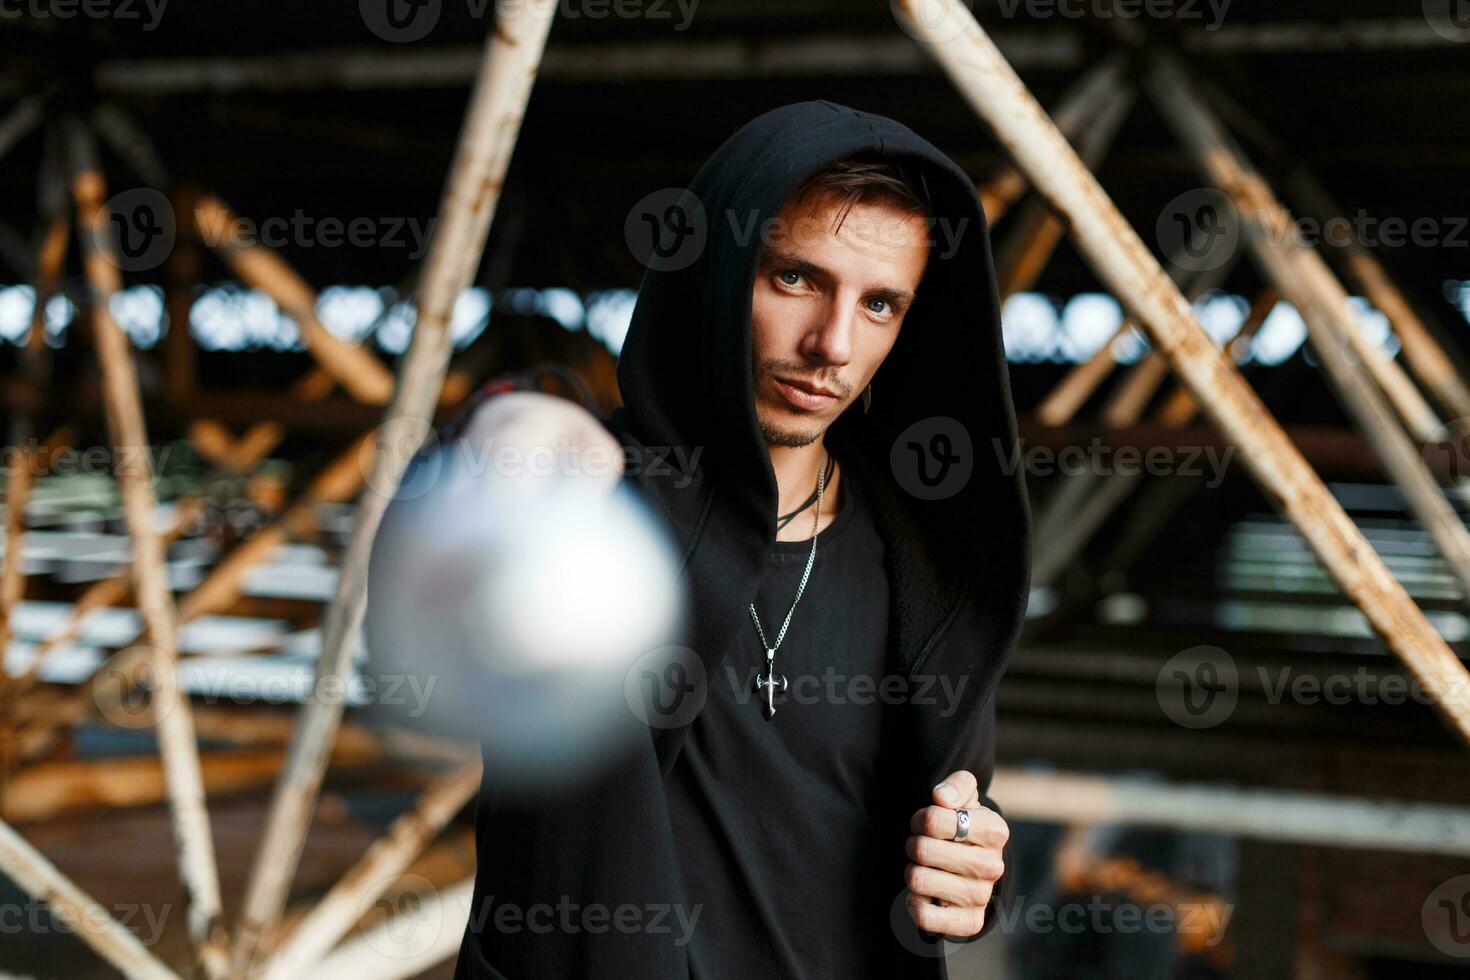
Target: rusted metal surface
point(1028, 247)
point(1072, 392)
point(1296, 268)
point(1126, 405)
point(1181, 407)
point(332, 916)
point(1427, 359)
point(487, 140)
point(1081, 506)
point(1071, 115)
point(1126, 266)
point(1302, 276)
point(339, 481)
point(355, 368)
point(223, 585)
point(126, 425)
point(444, 911)
point(111, 940)
point(1277, 815)
point(48, 277)
point(104, 592)
point(225, 581)
point(1068, 397)
point(18, 481)
point(1330, 449)
point(47, 790)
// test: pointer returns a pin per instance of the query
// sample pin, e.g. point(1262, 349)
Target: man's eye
point(795, 279)
point(878, 305)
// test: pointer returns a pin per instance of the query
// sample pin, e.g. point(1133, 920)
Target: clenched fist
point(950, 882)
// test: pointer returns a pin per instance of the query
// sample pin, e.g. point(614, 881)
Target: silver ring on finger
point(962, 824)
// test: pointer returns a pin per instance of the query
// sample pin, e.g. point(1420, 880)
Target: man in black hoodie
point(814, 804)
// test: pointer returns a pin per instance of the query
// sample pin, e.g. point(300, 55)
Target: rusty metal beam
point(487, 140)
point(128, 429)
point(1125, 265)
point(1030, 244)
point(1071, 114)
point(355, 368)
point(1427, 358)
point(331, 918)
point(1302, 276)
point(109, 939)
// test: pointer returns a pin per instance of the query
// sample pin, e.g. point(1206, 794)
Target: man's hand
point(958, 875)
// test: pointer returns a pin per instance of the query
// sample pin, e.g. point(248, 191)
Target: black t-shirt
point(776, 820)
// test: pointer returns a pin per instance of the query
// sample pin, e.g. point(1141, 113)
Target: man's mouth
point(804, 396)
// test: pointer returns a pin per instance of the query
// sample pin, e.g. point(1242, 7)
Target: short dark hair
point(862, 179)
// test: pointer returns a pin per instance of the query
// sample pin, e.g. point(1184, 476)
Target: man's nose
point(830, 339)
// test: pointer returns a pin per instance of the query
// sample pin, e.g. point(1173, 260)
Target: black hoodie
point(937, 457)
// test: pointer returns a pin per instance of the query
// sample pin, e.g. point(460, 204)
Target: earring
point(867, 398)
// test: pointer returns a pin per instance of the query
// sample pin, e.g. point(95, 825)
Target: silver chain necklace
point(770, 681)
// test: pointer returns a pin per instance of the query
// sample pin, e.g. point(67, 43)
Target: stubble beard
point(776, 435)
point(772, 430)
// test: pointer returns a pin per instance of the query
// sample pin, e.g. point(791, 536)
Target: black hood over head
point(958, 551)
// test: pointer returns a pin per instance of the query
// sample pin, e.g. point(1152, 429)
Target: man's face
point(826, 309)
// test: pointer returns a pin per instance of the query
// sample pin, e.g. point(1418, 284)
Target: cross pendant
point(770, 682)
